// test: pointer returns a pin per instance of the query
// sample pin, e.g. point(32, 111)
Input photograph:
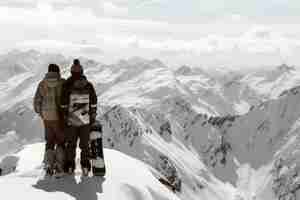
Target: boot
point(59, 164)
point(50, 162)
point(85, 172)
point(70, 170)
point(59, 174)
point(49, 171)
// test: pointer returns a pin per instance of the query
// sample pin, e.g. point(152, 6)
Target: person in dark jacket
point(79, 105)
point(47, 105)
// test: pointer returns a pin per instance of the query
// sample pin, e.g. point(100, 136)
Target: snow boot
point(50, 159)
point(59, 162)
point(69, 167)
point(59, 175)
point(71, 171)
point(49, 172)
point(85, 172)
point(59, 171)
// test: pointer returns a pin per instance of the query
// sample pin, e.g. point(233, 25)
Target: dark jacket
point(47, 97)
point(78, 102)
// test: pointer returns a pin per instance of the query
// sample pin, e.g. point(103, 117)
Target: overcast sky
point(196, 32)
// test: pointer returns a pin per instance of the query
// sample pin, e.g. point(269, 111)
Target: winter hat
point(76, 67)
point(76, 62)
point(53, 68)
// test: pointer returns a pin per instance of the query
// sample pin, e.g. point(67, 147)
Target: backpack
point(51, 100)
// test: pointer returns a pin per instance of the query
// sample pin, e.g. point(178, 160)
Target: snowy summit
point(131, 180)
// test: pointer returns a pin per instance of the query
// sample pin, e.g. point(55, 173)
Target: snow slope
point(130, 181)
point(258, 152)
point(149, 137)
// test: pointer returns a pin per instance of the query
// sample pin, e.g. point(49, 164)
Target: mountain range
point(204, 133)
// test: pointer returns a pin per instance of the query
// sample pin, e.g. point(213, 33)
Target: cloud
point(65, 47)
point(91, 50)
point(257, 46)
point(255, 40)
point(144, 3)
point(18, 3)
point(99, 7)
point(234, 40)
point(174, 9)
point(59, 44)
point(36, 1)
point(44, 15)
point(112, 9)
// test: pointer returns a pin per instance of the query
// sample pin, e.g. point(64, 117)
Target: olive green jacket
point(47, 97)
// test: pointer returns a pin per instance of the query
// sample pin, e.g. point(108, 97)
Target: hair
point(53, 68)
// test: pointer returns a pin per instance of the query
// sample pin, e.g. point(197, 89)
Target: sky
point(192, 32)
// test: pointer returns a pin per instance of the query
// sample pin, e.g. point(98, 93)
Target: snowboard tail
point(96, 150)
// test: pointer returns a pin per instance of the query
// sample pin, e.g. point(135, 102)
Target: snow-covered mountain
point(206, 133)
point(29, 183)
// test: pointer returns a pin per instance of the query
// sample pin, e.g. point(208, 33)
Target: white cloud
point(19, 1)
point(36, 1)
point(257, 46)
point(256, 40)
point(149, 2)
point(112, 9)
point(99, 7)
point(218, 42)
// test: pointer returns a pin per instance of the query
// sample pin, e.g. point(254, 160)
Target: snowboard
point(96, 150)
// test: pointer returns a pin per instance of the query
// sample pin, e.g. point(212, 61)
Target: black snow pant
point(73, 133)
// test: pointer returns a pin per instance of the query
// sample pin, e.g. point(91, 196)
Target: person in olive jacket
point(46, 104)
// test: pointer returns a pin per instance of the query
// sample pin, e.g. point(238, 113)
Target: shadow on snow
point(85, 189)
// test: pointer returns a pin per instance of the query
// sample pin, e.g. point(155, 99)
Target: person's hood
point(52, 79)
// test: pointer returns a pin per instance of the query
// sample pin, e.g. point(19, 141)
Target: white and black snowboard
point(96, 150)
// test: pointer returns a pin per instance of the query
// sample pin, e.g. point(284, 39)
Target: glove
point(92, 119)
point(64, 121)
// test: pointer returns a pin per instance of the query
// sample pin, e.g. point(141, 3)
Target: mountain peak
point(184, 70)
point(141, 62)
point(285, 68)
